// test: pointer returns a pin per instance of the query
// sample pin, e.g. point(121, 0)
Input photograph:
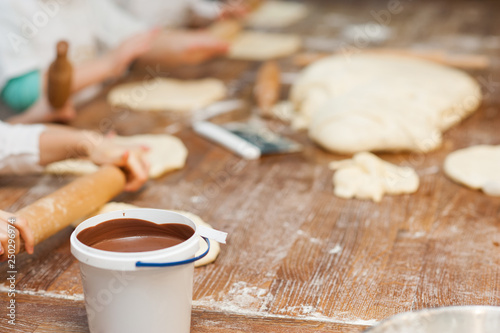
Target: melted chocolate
point(134, 235)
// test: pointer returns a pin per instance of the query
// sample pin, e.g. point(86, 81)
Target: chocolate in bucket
point(134, 235)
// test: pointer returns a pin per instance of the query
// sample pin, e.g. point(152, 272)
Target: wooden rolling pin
point(52, 213)
point(59, 77)
point(267, 87)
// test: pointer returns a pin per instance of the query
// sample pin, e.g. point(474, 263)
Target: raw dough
point(214, 246)
point(251, 45)
point(369, 102)
point(167, 94)
point(366, 176)
point(277, 14)
point(166, 153)
point(477, 167)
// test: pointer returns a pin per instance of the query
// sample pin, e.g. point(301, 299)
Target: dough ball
point(476, 167)
point(161, 94)
point(252, 45)
point(214, 246)
point(166, 153)
point(370, 102)
point(277, 14)
point(366, 176)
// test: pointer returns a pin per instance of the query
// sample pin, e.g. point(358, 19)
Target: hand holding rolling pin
point(51, 143)
point(11, 229)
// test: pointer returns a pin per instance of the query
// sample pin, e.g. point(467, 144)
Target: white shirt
point(30, 30)
point(168, 13)
point(20, 148)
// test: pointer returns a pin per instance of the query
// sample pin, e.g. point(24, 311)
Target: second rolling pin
point(267, 87)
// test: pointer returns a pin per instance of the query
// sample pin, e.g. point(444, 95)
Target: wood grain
point(299, 259)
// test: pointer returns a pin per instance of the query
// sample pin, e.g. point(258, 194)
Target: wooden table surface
point(299, 259)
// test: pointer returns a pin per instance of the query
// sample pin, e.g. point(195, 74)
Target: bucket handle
point(175, 263)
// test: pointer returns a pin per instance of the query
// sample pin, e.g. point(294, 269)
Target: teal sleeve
point(22, 92)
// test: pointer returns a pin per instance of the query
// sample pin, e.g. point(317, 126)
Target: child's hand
point(187, 47)
point(18, 229)
point(131, 159)
point(201, 46)
point(120, 58)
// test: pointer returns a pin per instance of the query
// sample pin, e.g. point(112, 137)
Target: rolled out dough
point(161, 94)
point(214, 246)
point(477, 167)
point(166, 153)
point(277, 14)
point(251, 45)
point(371, 102)
point(366, 176)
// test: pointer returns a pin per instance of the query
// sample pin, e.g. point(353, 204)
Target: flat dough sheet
point(477, 167)
point(252, 45)
point(162, 94)
point(277, 14)
point(167, 153)
point(214, 246)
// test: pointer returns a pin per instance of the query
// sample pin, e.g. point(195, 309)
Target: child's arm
point(62, 142)
point(184, 47)
point(27, 148)
point(114, 63)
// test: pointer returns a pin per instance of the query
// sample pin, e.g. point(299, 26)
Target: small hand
point(184, 47)
point(16, 230)
point(202, 46)
point(130, 158)
point(121, 57)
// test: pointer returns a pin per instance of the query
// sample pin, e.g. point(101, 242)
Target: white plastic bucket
point(121, 297)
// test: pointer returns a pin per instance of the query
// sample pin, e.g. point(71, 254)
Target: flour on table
point(366, 176)
point(251, 45)
point(214, 246)
point(477, 167)
point(161, 94)
point(369, 102)
point(166, 153)
point(277, 14)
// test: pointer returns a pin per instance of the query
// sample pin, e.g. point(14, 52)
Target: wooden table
point(298, 258)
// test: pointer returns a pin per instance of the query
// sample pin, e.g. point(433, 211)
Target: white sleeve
point(20, 148)
point(111, 24)
point(207, 9)
point(17, 55)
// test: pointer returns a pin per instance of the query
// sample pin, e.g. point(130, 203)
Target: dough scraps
point(371, 102)
point(366, 176)
point(477, 167)
point(166, 153)
point(162, 94)
point(251, 45)
point(214, 246)
point(277, 14)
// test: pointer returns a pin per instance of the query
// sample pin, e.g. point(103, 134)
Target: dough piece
point(214, 246)
point(166, 153)
point(167, 94)
point(366, 176)
point(252, 45)
point(370, 102)
point(277, 14)
point(284, 111)
point(477, 167)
